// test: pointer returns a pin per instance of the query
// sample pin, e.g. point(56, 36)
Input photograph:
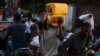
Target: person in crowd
point(90, 19)
point(34, 40)
point(78, 41)
point(50, 38)
point(34, 29)
point(96, 42)
point(16, 32)
point(26, 19)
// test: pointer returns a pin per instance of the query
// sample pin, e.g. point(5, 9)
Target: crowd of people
point(26, 37)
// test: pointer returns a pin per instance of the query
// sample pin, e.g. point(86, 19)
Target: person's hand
point(45, 17)
point(91, 51)
point(59, 21)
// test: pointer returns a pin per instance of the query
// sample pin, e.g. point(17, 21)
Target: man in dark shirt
point(17, 33)
point(78, 41)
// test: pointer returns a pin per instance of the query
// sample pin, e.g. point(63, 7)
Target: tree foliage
point(25, 4)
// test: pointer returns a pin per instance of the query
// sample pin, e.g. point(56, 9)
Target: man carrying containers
point(52, 31)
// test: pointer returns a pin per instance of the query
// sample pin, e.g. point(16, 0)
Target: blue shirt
point(17, 32)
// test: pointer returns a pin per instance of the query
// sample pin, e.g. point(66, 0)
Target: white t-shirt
point(49, 43)
point(28, 25)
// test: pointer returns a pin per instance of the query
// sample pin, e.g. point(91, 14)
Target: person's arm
point(60, 34)
point(68, 42)
point(89, 38)
point(8, 34)
point(5, 39)
point(37, 29)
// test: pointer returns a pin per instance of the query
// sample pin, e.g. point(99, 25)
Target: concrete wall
point(69, 18)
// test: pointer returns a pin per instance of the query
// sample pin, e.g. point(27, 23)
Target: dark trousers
point(28, 36)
